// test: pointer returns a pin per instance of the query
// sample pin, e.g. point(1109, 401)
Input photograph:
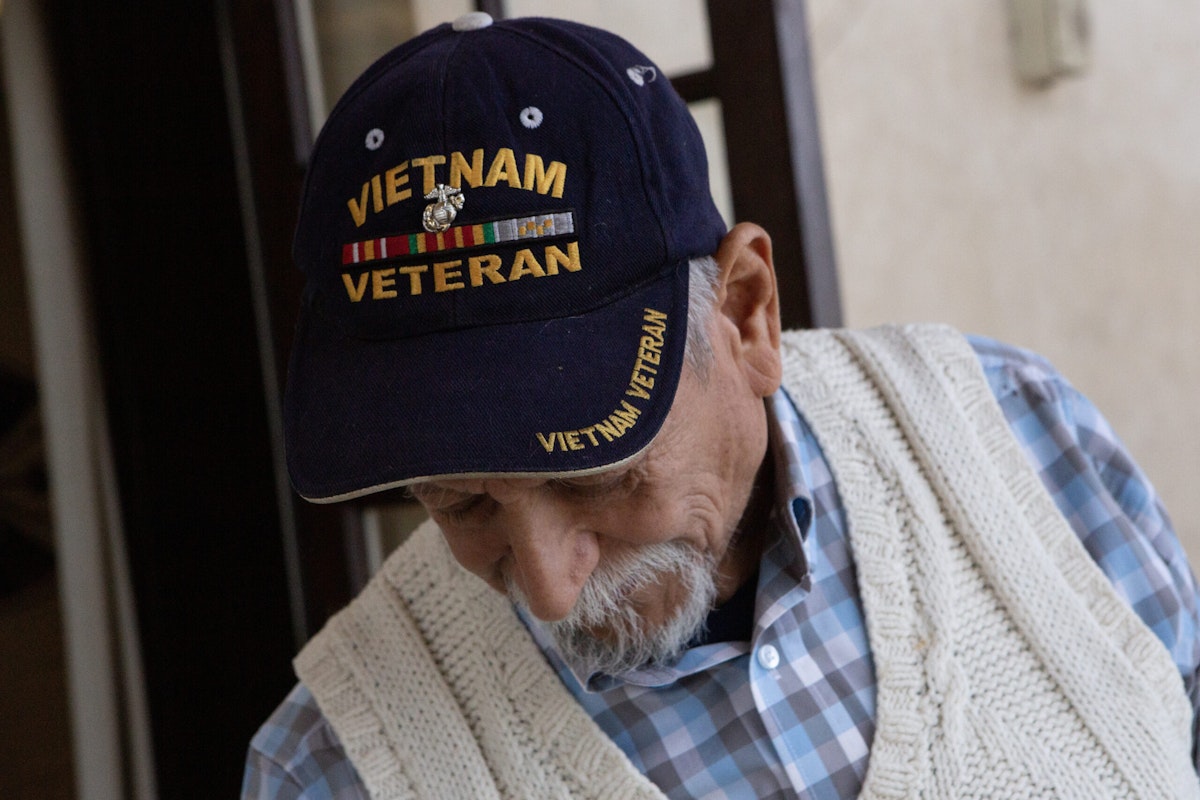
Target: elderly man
point(672, 550)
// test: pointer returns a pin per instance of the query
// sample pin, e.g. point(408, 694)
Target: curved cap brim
point(549, 397)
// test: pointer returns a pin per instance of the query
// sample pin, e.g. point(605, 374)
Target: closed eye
point(448, 504)
point(463, 509)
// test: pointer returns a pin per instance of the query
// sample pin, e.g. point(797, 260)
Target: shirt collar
point(793, 502)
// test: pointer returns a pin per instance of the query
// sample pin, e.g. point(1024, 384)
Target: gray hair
point(703, 273)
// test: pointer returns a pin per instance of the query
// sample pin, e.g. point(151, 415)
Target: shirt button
point(768, 656)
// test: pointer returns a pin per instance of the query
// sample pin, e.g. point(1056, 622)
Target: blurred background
point(1023, 169)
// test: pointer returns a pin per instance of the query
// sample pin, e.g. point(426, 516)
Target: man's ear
point(748, 299)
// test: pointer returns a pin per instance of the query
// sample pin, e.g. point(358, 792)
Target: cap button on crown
point(472, 21)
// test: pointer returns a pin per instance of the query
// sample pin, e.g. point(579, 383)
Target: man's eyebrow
point(634, 469)
point(432, 493)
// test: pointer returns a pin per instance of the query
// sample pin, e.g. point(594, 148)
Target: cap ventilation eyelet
point(531, 117)
point(472, 21)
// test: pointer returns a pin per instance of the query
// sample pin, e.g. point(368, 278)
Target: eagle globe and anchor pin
point(439, 215)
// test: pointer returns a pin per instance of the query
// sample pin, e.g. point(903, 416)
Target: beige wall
point(1065, 219)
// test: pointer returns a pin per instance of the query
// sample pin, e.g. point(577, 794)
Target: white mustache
point(604, 604)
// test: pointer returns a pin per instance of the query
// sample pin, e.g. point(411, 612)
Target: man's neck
point(741, 559)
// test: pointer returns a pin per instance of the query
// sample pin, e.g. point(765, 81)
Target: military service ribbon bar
point(460, 237)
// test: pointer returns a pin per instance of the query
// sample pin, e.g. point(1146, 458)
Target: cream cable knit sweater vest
point(1007, 666)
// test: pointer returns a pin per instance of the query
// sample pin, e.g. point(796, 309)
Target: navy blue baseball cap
point(495, 233)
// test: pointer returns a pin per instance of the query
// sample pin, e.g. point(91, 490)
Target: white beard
point(603, 604)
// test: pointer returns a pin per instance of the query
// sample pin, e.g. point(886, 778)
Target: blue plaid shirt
point(792, 711)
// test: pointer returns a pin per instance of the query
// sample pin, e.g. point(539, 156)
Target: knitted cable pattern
point(436, 690)
point(1007, 665)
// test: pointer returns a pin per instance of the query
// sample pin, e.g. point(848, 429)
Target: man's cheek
point(477, 560)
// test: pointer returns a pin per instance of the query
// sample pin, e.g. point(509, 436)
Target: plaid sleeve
point(1106, 497)
point(296, 756)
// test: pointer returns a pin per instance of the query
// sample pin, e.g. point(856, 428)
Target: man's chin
point(611, 652)
point(614, 637)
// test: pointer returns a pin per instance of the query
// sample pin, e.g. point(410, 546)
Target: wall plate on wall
point(1049, 38)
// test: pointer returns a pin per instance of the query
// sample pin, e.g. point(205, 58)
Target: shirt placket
point(777, 660)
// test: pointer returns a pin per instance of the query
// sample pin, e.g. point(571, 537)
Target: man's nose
point(552, 555)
